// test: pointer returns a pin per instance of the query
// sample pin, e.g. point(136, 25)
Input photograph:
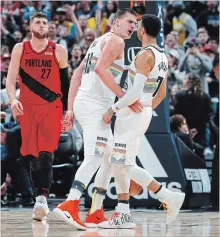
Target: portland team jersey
point(39, 75)
point(155, 78)
point(92, 88)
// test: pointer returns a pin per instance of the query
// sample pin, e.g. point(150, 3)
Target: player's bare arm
point(74, 86)
point(144, 64)
point(13, 72)
point(62, 57)
point(112, 49)
point(161, 94)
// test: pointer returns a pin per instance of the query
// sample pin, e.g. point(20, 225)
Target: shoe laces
point(165, 207)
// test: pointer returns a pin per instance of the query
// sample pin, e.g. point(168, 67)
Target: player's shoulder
point(18, 48)
point(145, 55)
point(115, 39)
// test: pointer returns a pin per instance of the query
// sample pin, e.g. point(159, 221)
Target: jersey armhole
point(54, 54)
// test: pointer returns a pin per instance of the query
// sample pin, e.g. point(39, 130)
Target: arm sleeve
point(65, 84)
point(133, 94)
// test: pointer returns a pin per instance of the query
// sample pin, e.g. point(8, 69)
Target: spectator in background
point(195, 105)
point(5, 61)
point(209, 18)
point(89, 37)
point(203, 37)
point(52, 31)
point(214, 44)
point(183, 22)
point(12, 164)
point(110, 7)
point(209, 52)
point(174, 75)
point(196, 62)
point(62, 21)
point(83, 22)
point(85, 9)
point(76, 58)
point(178, 125)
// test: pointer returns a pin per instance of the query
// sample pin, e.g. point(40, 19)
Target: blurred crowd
point(191, 31)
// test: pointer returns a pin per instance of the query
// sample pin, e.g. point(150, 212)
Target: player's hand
point(136, 106)
point(16, 108)
point(107, 118)
point(67, 121)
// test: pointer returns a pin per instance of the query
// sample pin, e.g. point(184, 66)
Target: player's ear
point(116, 22)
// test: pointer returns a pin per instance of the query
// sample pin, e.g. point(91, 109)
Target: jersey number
point(88, 63)
point(160, 80)
point(45, 73)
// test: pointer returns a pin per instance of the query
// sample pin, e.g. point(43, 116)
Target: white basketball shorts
point(97, 135)
point(129, 128)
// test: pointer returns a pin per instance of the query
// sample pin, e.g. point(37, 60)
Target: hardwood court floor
point(17, 222)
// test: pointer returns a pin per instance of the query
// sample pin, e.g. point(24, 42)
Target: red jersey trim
point(54, 54)
point(36, 51)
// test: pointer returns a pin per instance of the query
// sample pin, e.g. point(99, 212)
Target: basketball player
point(147, 82)
point(42, 69)
point(92, 90)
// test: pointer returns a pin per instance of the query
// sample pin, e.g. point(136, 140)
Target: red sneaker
point(69, 212)
point(92, 220)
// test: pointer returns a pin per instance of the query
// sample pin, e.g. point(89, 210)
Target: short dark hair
point(38, 15)
point(176, 122)
point(151, 24)
point(121, 12)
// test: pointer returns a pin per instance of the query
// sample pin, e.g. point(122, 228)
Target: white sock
point(123, 207)
point(41, 198)
point(97, 202)
point(163, 194)
point(74, 194)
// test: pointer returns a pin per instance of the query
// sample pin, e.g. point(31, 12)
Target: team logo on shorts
point(118, 156)
point(100, 146)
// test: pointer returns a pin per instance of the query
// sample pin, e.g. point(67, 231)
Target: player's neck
point(149, 41)
point(115, 31)
point(39, 44)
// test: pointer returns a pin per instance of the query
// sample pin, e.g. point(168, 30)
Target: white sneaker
point(119, 220)
point(173, 205)
point(41, 209)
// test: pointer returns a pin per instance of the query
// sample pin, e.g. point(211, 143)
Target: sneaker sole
point(107, 226)
point(178, 206)
point(91, 225)
point(70, 220)
point(39, 214)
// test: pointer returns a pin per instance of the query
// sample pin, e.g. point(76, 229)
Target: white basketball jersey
point(155, 78)
point(92, 88)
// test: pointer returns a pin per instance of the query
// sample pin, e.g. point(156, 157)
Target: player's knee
point(45, 160)
point(119, 169)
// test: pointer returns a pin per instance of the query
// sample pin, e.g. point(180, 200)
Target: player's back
point(155, 78)
point(92, 88)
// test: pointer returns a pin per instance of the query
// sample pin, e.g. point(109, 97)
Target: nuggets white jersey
point(155, 78)
point(92, 88)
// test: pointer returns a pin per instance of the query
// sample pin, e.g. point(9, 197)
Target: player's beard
point(38, 35)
